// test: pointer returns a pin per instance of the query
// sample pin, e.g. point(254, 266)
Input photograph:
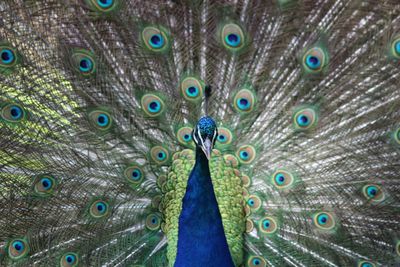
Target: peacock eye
point(18, 248)
point(103, 120)
point(105, 4)
point(134, 175)
point(152, 105)
point(256, 261)
point(153, 222)
point(313, 62)
point(44, 185)
point(16, 112)
point(7, 56)
point(12, 113)
point(372, 190)
point(154, 38)
point(156, 41)
point(69, 260)
point(192, 89)
point(373, 193)
point(366, 264)
point(100, 119)
point(305, 118)
point(395, 48)
point(99, 209)
point(83, 62)
point(184, 135)
point(244, 101)
point(314, 59)
point(86, 65)
point(324, 221)
point(254, 202)
point(224, 137)
point(268, 225)
point(246, 154)
point(282, 179)
point(159, 155)
point(232, 37)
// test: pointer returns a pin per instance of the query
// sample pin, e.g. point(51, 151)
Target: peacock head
point(205, 134)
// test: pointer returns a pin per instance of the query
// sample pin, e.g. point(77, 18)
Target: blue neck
point(201, 237)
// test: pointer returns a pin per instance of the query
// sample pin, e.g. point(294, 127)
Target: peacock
point(200, 133)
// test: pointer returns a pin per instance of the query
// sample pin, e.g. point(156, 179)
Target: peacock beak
point(207, 147)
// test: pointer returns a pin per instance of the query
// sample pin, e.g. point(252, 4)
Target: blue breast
point(201, 237)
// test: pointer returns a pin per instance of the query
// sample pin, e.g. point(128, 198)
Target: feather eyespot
point(9, 59)
point(155, 39)
point(83, 62)
point(44, 185)
point(69, 259)
point(159, 155)
point(100, 119)
point(225, 137)
point(256, 261)
point(366, 264)
point(153, 222)
point(18, 248)
point(373, 193)
point(85, 65)
point(244, 101)
point(305, 118)
point(7, 56)
point(12, 112)
point(105, 4)
point(268, 225)
point(232, 37)
point(324, 221)
point(184, 135)
point(152, 105)
point(254, 202)
point(282, 179)
point(134, 174)
point(246, 154)
point(99, 209)
point(395, 48)
point(314, 60)
point(192, 89)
